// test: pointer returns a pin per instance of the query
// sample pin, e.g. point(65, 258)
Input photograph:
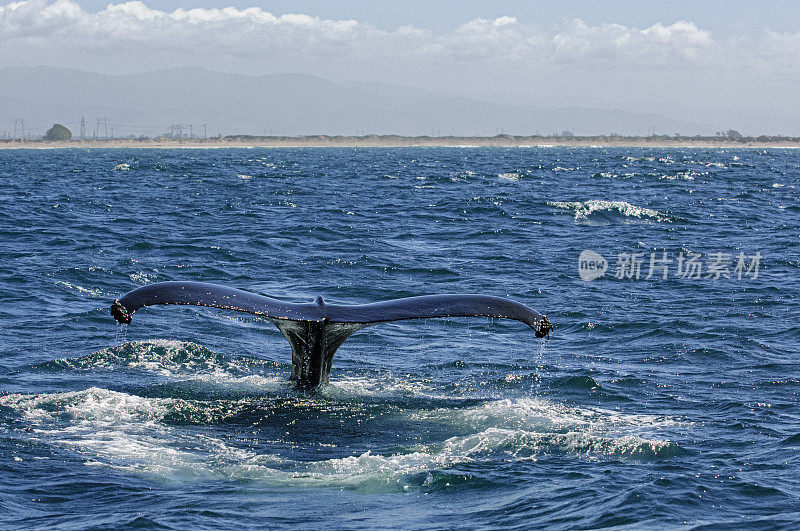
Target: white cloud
point(681, 41)
point(131, 26)
point(611, 63)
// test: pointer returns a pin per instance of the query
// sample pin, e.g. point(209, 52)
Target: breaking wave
point(584, 209)
point(176, 438)
point(164, 357)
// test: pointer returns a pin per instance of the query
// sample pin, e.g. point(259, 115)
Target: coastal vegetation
point(60, 136)
point(58, 132)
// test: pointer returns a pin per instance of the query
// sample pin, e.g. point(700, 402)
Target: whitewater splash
point(139, 434)
point(584, 209)
point(175, 437)
point(183, 362)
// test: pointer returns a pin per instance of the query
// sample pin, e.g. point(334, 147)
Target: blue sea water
point(657, 402)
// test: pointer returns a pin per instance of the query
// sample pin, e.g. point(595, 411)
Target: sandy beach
point(389, 141)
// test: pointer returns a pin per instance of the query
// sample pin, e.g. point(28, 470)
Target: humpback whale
point(315, 330)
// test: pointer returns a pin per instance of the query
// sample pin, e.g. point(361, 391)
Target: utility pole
point(105, 126)
point(97, 128)
point(83, 128)
point(204, 131)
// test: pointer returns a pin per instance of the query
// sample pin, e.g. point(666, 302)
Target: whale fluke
point(315, 330)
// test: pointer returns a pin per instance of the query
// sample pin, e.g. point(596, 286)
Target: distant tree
point(566, 133)
point(733, 133)
point(58, 132)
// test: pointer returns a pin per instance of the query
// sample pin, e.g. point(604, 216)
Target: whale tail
point(315, 330)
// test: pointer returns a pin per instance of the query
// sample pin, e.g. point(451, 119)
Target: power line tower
point(83, 128)
point(105, 126)
point(21, 123)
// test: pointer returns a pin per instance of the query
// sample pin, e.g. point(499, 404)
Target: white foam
point(349, 386)
point(89, 292)
point(372, 469)
point(127, 432)
point(181, 362)
point(142, 277)
point(543, 415)
point(124, 431)
point(583, 209)
point(122, 167)
point(510, 176)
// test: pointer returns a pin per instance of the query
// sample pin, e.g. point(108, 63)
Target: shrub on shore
point(58, 132)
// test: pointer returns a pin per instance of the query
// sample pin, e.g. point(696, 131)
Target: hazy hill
point(283, 104)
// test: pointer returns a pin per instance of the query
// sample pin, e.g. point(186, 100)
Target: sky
point(723, 17)
point(727, 63)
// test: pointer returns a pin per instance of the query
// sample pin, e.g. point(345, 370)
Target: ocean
point(666, 396)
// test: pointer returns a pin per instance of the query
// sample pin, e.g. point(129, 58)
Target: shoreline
point(395, 141)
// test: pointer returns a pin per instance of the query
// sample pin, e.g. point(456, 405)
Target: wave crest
point(584, 209)
point(134, 433)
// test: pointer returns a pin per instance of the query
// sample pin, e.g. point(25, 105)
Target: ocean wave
point(546, 416)
point(94, 293)
point(122, 431)
point(183, 362)
point(584, 209)
point(167, 357)
point(133, 433)
point(515, 444)
point(388, 386)
point(142, 277)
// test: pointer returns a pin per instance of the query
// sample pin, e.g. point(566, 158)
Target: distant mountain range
point(152, 103)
